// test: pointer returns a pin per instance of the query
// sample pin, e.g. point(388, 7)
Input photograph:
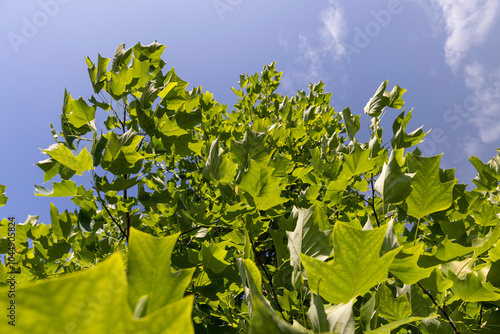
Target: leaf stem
point(441, 309)
point(416, 231)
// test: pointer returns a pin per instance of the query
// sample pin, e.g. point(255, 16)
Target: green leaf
point(337, 319)
point(251, 279)
point(395, 97)
point(121, 57)
point(252, 146)
point(317, 315)
point(356, 267)
point(211, 168)
point(309, 238)
point(402, 139)
point(429, 194)
point(169, 128)
point(405, 265)
point(488, 174)
point(437, 282)
point(65, 188)
point(78, 113)
point(3, 198)
point(264, 189)
point(472, 289)
point(265, 320)
point(120, 183)
point(448, 250)
point(263, 317)
point(390, 308)
point(212, 255)
point(50, 168)
point(378, 102)
point(358, 161)
point(61, 223)
point(382, 99)
point(93, 301)
point(120, 155)
point(352, 123)
point(387, 329)
point(151, 52)
point(80, 163)
point(149, 271)
point(392, 184)
point(341, 318)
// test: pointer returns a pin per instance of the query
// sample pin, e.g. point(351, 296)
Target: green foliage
point(270, 217)
point(95, 300)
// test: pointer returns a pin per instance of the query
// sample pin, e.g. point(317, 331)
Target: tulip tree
point(268, 217)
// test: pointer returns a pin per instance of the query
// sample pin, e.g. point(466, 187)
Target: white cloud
point(468, 23)
point(334, 30)
point(324, 44)
point(484, 102)
point(471, 146)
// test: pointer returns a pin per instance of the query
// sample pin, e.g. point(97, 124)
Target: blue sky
point(445, 52)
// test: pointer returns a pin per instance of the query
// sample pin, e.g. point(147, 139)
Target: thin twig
point(441, 309)
point(125, 193)
point(110, 215)
point(373, 201)
point(268, 278)
point(265, 271)
point(481, 315)
point(191, 230)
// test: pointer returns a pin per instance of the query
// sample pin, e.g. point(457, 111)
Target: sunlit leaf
point(3, 198)
point(149, 271)
point(356, 267)
point(93, 301)
point(80, 163)
point(264, 189)
point(429, 194)
point(65, 188)
point(393, 184)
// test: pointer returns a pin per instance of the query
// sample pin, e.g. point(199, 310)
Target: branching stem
point(269, 279)
point(372, 204)
point(440, 309)
point(124, 234)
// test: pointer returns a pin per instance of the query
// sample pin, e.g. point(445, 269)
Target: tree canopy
point(269, 217)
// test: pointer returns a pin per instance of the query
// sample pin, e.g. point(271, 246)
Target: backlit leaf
point(429, 194)
point(149, 271)
point(356, 267)
point(80, 163)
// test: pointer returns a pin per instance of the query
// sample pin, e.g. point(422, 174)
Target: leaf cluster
point(269, 217)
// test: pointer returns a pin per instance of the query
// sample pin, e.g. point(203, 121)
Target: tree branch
point(269, 279)
point(372, 204)
point(125, 193)
point(110, 215)
point(441, 309)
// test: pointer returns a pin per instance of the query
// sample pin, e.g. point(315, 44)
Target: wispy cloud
point(333, 31)
point(485, 109)
point(316, 48)
point(467, 23)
